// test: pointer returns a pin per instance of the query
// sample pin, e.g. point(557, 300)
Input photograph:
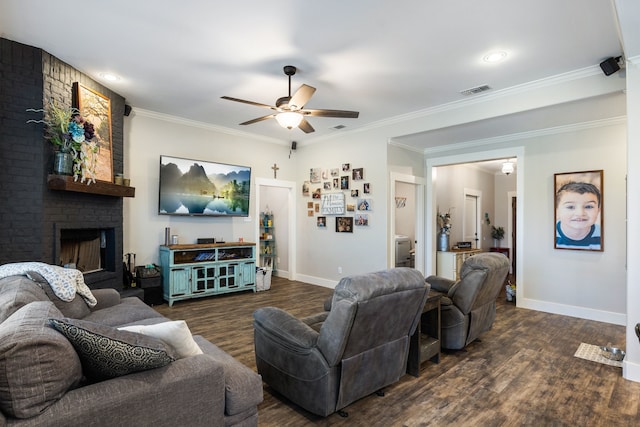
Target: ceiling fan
point(290, 111)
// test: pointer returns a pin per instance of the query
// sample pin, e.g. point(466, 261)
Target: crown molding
point(490, 96)
point(205, 126)
point(635, 60)
point(527, 135)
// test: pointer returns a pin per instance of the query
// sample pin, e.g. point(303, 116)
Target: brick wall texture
point(31, 215)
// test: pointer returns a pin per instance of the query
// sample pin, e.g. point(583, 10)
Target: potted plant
point(498, 234)
point(72, 136)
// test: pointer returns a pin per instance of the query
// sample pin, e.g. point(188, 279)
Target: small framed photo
point(321, 222)
point(357, 174)
point(346, 167)
point(362, 220)
point(316, 193)
point(335, 172)
point(354, 193)
point(305, 188)
point(314, 175)
point(336, 183)
point(326, 185)
point(364, 204)
point(309, 205)
point(344, 224)
point(351, 207)
point(366, 188)
point(578, 201)
point(344, 182)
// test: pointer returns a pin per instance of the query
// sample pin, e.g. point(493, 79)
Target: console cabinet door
point(227, 276)
point(180, 282)
point(246, 274)
point(203, 279)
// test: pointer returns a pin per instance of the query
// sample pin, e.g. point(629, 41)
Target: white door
point(470, 227)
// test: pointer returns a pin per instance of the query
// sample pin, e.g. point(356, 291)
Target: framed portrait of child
point(578, 201)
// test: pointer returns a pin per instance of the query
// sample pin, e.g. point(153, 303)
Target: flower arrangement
point(67, 130)
point(444, 222)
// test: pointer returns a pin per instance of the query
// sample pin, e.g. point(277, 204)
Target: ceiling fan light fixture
point(289, 119)
point(507, 167)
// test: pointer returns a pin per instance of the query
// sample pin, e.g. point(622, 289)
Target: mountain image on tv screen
point(194, 187)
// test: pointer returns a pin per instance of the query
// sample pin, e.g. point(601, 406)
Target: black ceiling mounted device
point(610, 65)
point(295, 104)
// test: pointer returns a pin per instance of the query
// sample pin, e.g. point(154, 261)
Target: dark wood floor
point(521, 373)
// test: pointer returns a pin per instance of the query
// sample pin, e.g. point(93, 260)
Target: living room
point(591, 285)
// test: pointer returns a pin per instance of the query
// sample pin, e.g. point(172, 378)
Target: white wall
point(582, 283)
point(149, 135)
point(322, 251)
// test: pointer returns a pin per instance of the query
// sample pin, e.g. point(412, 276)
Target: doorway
point(433, 163)
point(278, 198)
point(407, 218)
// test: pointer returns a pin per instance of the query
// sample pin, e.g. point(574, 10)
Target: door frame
point(290, 185)
point(419, 185)
point(478, 156)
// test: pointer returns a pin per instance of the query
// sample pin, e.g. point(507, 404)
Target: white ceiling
point(384, 59)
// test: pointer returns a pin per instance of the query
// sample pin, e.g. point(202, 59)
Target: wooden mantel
point(66, 183)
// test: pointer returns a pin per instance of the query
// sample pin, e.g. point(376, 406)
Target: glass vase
point(63, 163)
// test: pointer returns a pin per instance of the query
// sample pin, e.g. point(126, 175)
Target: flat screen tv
point(203, 188)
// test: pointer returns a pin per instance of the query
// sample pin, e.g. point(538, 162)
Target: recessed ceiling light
point(110, 77)
point(495, 56)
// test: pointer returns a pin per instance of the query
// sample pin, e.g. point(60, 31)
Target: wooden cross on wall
point(275, 170)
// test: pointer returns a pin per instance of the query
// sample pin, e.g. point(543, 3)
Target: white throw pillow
point(175, 333)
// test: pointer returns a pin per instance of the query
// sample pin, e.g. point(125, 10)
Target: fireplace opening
point(88, 249)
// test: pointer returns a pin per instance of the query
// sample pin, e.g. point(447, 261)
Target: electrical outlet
point(339, 270)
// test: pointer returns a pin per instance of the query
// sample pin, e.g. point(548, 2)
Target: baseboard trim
point(574, 311)
point(316, 281)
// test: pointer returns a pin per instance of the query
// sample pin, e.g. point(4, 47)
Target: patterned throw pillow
point(106, 352)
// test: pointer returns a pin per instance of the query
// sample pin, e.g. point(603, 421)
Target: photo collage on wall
point(340, 193)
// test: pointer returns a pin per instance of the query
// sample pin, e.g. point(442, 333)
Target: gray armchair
point(468, 308)
point(327, 361)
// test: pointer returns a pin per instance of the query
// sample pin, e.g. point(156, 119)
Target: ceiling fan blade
point(305, 126)
point(259, 119)
point(244, 101)
point(332, 113)
point(301, 97)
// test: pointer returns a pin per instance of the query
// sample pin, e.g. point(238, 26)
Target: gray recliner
point(468, 308)
point(327, 361)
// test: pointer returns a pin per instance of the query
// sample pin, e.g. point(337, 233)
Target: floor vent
point(339, 127)
point(475, 90)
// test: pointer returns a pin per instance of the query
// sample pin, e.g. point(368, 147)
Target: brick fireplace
point(34, 219)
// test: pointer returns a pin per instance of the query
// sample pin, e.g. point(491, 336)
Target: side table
point(425, 342)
